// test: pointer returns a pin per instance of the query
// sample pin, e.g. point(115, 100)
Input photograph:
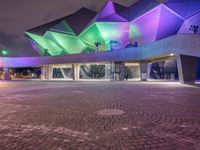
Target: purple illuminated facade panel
point(109, 14)
point(156, 24)
point(184, 8)
point(144, 29)
point(169, 23)
point(108, 10)
point(35, 46)
point(194, 20)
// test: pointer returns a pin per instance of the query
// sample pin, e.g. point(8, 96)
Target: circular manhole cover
point(110, 112)
point(77, 92)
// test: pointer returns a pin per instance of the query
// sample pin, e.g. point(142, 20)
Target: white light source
point(171, 54)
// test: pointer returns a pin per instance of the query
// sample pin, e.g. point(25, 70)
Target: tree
point(194, 29)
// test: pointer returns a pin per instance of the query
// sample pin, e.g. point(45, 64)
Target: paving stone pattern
point(99, 116)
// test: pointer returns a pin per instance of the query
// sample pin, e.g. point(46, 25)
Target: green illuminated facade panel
point(92, 35)
point(114, 31)
point(71, 44)
point(45, 44)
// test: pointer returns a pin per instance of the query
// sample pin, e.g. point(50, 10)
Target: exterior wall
point(187, 68)
point(177, 45)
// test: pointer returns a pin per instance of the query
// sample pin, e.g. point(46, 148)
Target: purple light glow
point(146, 26)
point(169, 23)
point(156, 24)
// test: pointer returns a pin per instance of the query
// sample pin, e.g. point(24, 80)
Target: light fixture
point(4, 52)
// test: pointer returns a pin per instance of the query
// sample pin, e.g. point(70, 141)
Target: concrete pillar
point(43, 73)
point(149, 70)
point(76, 71)
point(187, 68)
point(122, 70)
point(6, 73)
point(143, 71)
point(46, 72)
point(49, 72)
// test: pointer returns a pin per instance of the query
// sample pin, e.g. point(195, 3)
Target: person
point(126, 76)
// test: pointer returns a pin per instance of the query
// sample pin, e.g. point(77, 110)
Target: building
point(118, 39)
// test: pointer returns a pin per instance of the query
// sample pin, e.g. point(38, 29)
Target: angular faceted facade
point(115, 27)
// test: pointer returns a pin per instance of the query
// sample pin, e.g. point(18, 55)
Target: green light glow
point(71, 44)
point(104, 32)
point(92, 35)
point(46, 44)
point(62, 40)
point(4, 52)
point(133, 31)
point(114, 31)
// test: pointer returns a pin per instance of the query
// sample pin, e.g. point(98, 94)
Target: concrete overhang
point(185, 44)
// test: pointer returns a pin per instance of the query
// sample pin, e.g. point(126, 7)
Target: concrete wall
point(187, 68)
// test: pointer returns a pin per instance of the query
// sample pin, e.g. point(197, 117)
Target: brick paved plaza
point(99, 116)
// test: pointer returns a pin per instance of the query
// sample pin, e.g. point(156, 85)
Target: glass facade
point(95, 71)
point(64, 72)
point(133, 71)
point(164, 70)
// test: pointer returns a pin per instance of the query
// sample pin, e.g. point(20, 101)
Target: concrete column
point(122, 70)
point(43, 73)
point(187, 68)
point(46, 72)
point(143, 71)
point(76, 71)
point(50, 72)
point(6, 73)
point(149, 70)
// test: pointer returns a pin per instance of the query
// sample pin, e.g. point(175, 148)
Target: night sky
point(16, 16)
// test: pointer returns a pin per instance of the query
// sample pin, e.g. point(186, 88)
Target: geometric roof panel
point(169, 23)
point(107, 10)
point(42, 29)
point(144, 29)
point(45, 44)
point(141, 7)
point(80, 19)
point(184, 8)
point(63, 27)
point(70, 43)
